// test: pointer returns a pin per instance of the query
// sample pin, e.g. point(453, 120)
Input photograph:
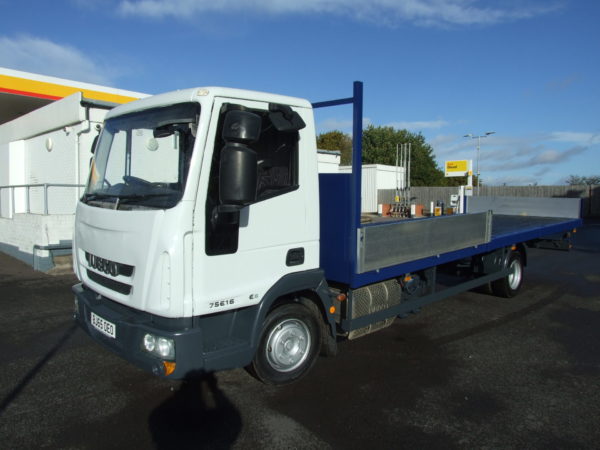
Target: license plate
point(103, 326)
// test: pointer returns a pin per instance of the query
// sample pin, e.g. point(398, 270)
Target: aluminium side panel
point(506, 231)
point(385, 245)
point(569, 208)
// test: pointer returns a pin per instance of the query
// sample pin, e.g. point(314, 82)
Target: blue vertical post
point(357, 123)
point(357, 119)
point(355, 178)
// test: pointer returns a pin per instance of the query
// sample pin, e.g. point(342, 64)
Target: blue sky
point(527, 69)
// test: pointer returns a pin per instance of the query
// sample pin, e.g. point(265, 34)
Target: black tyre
point(289, 345)
point(509, 285)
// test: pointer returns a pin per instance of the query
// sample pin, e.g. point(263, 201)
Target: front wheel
point(289, 345)
point(509, 285)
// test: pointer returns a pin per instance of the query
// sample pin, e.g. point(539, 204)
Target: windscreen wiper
point(132, 198)
point(97, 196)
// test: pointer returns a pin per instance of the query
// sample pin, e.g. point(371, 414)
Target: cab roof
point(200, 93)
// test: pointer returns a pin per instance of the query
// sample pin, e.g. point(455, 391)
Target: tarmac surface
point(472, 371)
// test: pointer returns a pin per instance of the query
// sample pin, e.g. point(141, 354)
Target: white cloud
point(542, 157)
point(546, 157)
point(562, 83)
point(388, 12)
point(335, 124)
point(332, 124)
point(444, 142)
point(575, 137)
point(33, 54)
point(419, 125)
point(510, 180)
point(519, 160)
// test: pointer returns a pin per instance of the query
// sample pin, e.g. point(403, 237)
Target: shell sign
point(458, 168)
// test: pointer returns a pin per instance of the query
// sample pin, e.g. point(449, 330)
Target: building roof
point(23, 92)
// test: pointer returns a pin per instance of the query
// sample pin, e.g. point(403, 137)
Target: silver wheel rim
point(288, 345)
point(515, 275)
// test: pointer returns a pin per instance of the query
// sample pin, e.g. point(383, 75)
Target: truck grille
point(102, 270)
point(109, 283)
point(107, 266)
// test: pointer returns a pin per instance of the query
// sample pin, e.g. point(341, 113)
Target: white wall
point(375, 177)
point(58, 154)
point(51, 145)
point(4, 171)
point(13, 164)
point(329, 161)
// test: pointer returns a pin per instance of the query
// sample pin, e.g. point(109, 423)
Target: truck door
point(239, 255)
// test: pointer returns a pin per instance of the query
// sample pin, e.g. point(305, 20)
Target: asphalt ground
point(470, 372)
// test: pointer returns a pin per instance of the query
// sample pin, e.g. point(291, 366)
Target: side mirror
point(241, 126)
point(238, 175)
point(284, 118)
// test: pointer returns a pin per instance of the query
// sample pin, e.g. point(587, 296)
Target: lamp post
point(478, 137)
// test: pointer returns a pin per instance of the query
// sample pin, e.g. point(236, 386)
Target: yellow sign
point(457, 168)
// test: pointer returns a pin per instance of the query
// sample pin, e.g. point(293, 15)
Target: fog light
point(149, 343)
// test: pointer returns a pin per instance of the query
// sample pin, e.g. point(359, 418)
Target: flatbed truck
point(206, 240)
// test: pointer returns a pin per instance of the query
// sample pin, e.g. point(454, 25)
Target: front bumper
point(202, 344)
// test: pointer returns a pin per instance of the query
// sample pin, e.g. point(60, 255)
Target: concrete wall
point(19, 235)
point(590, 195)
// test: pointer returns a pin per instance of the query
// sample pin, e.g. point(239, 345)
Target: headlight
point(159, 346)
point(149, 343)
point(165, 348)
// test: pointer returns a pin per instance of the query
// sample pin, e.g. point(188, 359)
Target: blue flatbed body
point(343, 239)
point(340, 237)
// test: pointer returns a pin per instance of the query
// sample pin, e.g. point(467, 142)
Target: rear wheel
point(289, 345)
point(509, 285)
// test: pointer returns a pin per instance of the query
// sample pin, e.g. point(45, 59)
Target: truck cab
point(200, 217)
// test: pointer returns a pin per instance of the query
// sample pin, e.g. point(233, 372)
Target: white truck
point(207, 240)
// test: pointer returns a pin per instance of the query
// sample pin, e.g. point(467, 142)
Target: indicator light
point(168, 367)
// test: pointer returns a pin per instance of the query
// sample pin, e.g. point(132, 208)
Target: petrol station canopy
point(23, 92)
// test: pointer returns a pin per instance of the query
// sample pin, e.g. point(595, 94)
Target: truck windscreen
point(142, 159)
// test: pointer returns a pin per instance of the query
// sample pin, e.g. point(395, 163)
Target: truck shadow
point(198, 415)
point(501, 321)
point(371, 390)
point(29, 376)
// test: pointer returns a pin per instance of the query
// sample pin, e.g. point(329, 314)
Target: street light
point(472, 136)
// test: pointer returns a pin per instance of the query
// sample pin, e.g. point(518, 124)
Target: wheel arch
point(309, 288)
point(523, 252)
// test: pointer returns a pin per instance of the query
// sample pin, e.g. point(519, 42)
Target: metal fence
point(590, 195)
point(27, 187)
